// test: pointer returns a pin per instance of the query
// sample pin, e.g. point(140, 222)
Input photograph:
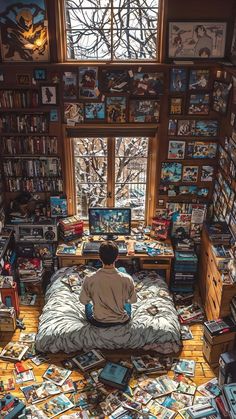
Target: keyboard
point(93, 247)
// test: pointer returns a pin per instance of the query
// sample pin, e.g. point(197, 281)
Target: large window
point(112, 172)
point(111, 30)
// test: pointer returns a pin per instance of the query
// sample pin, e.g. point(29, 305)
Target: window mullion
point(110, 172)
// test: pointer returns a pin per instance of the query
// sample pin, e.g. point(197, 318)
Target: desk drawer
point(70, 261)
point(154, 264)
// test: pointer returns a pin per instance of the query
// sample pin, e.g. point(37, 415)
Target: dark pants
point(94, 322)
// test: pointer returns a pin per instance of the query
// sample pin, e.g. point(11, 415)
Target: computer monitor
point(110, 222)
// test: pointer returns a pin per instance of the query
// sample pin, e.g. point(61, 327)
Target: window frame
point(151, 184)
point(62, 49)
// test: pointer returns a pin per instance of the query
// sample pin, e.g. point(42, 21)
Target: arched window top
point(111, 30)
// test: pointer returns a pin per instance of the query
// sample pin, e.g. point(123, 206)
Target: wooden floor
point(192, 349)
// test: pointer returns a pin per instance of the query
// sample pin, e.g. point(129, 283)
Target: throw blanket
point(63, 326)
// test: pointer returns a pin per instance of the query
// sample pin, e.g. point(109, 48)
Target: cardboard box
point(212, 352)
point(8, 323)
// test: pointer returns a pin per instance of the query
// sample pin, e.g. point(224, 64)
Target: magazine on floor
point(56, 405)
point(88, 360)
point(14, 351)
point(185, 366)
point(56, 375)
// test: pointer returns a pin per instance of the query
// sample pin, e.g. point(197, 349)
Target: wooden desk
point(162, 261)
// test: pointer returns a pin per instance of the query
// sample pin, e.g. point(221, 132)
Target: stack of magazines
point(219, 232)
point(30, 270)
point(190, 314)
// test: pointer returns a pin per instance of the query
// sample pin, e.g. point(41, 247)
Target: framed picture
point(199, 79)
point(185, 127)
point(176, 106)
point(115, 81)
point(199, 104)
point(73, 113)
point(220, 96)
point(69, 85)
point(94, 111)
point(201, 150)
point(144, 111)
point(54, 115)
point(206, 128)
point(172, 126)
point(23, 79)
point(48, 95)
point(27, 38)
point(188, 190)
point(171, 172)
point(190, 174)
point(203, 192)
point(40, 74)
point(207, 173)
point(116, 109)
point(88, 83)
point(147, 84)
point(196, 39)
point(178, 79)
point(176, 149)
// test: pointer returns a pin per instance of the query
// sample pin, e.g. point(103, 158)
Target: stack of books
point(30, 270)
point(219, 232)
point(71, 228)
point(184, 273)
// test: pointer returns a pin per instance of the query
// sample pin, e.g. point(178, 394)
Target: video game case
point(219, 326)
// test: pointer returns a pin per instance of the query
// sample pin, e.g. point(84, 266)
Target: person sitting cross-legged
point(110, 291)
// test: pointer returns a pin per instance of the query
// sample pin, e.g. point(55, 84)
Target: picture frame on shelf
point(23, 79)
point(73, 113)
point(88, 83)
point(48, 94)
point(176, 105)
point(207, 173)
point(147, 111)
point(220, 96)
point(147, 84)
point(171, 172)
point(199, 103)
point(27, 41)
point(178, 79)
point(69, 79)
point(115, 81)
point(176, 150)
point(185, 127)
point(94, 111)
point(190, 174)
point(199, 79)
point(40, 74)
point(116, 109)
point(172, 126)
point(201, 150)
point(196, 39)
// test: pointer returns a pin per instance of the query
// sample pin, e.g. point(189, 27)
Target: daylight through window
point(111, 172)
point(111, 29)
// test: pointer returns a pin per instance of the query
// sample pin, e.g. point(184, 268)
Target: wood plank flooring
point(192, 349)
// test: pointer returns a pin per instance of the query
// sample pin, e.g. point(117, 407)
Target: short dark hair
point(108, 252)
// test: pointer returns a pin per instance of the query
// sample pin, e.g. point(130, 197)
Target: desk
point(162, 261)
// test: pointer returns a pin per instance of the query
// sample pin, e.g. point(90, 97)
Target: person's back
point(111, 291)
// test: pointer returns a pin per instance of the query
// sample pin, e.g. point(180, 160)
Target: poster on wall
point(196, 39)
point(24, 31)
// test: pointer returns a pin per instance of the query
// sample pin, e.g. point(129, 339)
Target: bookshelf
point(30, 154)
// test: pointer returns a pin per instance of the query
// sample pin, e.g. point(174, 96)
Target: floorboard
point(192, 349)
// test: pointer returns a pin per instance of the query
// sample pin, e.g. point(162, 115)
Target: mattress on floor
point(63, 326)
